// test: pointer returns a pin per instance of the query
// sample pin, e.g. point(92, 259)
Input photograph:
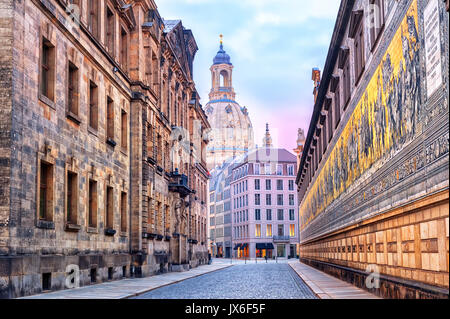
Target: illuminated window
point(257, 230)
point(292, 230)
point(269, 231)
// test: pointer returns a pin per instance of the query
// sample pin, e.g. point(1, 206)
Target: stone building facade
point(373, 178)
point(93, 92)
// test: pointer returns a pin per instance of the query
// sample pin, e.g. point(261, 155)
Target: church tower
point(231, 129)
point(222, 76)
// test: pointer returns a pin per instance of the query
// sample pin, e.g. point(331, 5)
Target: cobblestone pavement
point(242, 281)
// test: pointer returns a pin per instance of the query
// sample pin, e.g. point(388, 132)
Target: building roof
point(266, 154)
point(170, 24)
point(222, 57)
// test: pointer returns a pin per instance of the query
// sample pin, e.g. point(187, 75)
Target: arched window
point(224, 79)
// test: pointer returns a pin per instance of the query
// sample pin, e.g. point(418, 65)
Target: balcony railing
point(179, 184)
point(224, 89)
point(281, 239)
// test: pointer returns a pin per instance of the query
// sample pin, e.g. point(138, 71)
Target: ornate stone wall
point(389, 152)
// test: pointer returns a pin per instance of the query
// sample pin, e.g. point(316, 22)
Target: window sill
point(124, 151)
point(72, 227)
point(123, 234)
point(73, 117)
point(92, 130)
point(47, 101)
point(44, 224)
point(92, 230)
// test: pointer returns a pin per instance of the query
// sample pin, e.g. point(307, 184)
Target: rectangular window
point(279, 169)
point(93, 17)
point(291, 214)
point(346, 84)
point(280, 185)
point(257, 184)
point(124, 130)
point(257, 214)
point(359, 52)
point(330, 124)
point(256, 169)
point(291, 185)
point(48, 60)
point(280, 199)
point(280, 230)
point(291, 170)
point(280, 214)
point(123, 212)
point(377, 20)
point(337, 100)
point(267, 169)
point(268, 214)
point(92, 207)
point(291, 200)
point(72, 198)
point(109, 30)
point(257, 199)
point(124, 49)
point(72, 88)
point(269, 231)
point(257, 230)
point(324, 139)
point(109, 208)
point(268, 199)
point(46, 192)
point(292, 230)
point(93, 105)
point(268, 184)
point(109, 119)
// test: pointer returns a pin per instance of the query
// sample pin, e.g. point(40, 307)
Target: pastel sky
point(273, 44)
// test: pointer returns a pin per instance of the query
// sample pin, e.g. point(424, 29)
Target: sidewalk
point(126, 288)
point(328, 287)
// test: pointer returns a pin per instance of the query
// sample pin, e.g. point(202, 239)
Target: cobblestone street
point(242, 281)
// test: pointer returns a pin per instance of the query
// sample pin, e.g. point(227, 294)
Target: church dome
point(222, 57)
point(231, 130)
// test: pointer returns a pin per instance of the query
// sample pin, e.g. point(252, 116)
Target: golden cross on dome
point(221, 39)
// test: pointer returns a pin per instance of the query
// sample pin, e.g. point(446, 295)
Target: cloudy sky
point(273, 44)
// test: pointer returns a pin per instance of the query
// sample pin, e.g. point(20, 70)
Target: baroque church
point(231, 129)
